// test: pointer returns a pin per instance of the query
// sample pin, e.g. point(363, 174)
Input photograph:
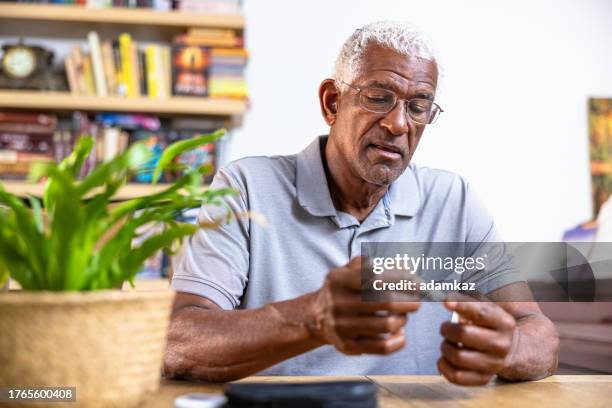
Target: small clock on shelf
point(29, 67)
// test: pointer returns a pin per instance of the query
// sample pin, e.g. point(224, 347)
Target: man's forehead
point(382, 64)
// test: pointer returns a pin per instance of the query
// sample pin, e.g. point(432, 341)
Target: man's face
point(376, 146)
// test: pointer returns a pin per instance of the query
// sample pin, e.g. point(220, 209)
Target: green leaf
point(179, 147)
point(75, 160)
point(118, 169)
point(37, 213)
point(66, 246)
point(4, 275)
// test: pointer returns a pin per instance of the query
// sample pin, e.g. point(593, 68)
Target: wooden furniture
point(66, 21)
point(132, 190)
point(173, 106)
point(585, 334)
point(435, 391)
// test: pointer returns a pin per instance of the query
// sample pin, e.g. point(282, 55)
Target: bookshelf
point(72, 21)
point(129, 191)
point(176, 105)
point(118, 16)
point(601, 168)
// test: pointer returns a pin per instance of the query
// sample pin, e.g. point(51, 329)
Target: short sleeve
point(484, 241)
point(214, 263)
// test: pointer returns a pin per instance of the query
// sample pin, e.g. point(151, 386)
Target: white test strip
point(455, 317)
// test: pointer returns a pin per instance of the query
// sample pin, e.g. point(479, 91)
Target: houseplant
point(71, 326)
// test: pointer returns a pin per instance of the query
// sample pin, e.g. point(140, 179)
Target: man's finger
point(353, 327)
point(471, 360)
point(477, 338)
point(374, 346)
point(348, 276)
point(351, 303)
point(485, 314)
point(462, 377)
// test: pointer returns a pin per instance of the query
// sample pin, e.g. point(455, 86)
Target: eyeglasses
point(380, 100)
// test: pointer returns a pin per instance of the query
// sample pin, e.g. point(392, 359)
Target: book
point(210, 6)
point(142, 73)
point(96, 62)
point(162, 5)
point(136, 71)
point(110, 137)
point(154, 71)
point(166, 62)
point(49, 121)
point(16, 157)
point(226, 73)
point(127, 65)
point(119, 70)
point(129, 121)
point(25, 128)
point(41, 143)
point(90, 85)
point(110, 72)
point(78, 61)
point(189, 70)
point(212, 37)
point(155, 142)
point(71, 75)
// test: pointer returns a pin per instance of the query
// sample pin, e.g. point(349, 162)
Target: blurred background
point(516, 81)
point(526, 87)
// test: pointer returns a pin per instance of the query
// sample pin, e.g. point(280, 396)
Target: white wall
point(528, 66)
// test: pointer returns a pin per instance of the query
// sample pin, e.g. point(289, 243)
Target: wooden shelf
point(599, 168)
point(58, 101)
point(118, 16)
point(129, 191)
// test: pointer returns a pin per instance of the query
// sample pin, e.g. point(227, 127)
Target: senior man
point(284, 297)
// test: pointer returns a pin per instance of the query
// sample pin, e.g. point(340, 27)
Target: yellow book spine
point(127, 65)
point(166, 68)
point(88, 73)
point(152, 73)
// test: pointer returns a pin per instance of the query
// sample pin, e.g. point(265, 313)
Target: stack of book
point(210, 6)
point(227, 73)
point(25, 138)
point(203, 6)
point(179, 129)
point(209, 62)
point(162, 5)
point(119, 68)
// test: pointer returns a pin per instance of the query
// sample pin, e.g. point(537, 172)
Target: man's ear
point(329, 99)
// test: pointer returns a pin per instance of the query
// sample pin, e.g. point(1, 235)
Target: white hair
point(400, 37)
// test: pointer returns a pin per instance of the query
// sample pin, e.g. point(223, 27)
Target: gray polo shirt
point(248, 262)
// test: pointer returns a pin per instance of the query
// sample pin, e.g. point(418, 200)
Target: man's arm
point(511, 339)
point(210, 344)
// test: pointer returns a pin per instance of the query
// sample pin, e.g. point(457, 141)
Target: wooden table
point(433, 391)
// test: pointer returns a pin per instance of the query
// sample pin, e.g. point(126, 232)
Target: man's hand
point(479, 346)
point(356, 327)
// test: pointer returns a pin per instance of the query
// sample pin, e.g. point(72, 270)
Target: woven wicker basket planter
point(108, 344)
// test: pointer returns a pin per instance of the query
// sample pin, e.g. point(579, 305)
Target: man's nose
point(396, 121)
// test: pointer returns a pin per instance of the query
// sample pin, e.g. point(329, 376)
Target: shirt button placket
point(354, 248)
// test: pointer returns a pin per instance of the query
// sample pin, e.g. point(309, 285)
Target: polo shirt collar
point(313, 191)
